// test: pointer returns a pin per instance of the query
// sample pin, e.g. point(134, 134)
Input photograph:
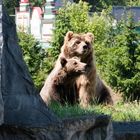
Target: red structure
point(24, 1)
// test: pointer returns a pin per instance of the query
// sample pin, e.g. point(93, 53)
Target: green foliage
point(37, 2)
point(34, 56)
point(99, 26)
point(99, 5)
point(10, 5)
point(121, 62)
point(133, 3)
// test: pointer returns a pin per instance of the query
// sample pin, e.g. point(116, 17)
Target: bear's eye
point(77, 42)
point(75, 63)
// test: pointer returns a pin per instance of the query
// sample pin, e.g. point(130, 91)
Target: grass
point(129, 111)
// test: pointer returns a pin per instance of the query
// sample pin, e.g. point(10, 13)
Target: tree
point(121, 67)
point(10, 5)
point(99, 5)
point(34, 56)
point(37, 2)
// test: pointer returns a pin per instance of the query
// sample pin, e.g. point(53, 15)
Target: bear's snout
point(85, 66)
point(85, 47)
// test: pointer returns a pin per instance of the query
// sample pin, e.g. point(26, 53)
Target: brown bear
point(59, 86)
point(88, 85)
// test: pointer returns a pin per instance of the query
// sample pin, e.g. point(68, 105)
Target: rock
point(80, 128)
point(88, 128)
point(1, 38)
point(126, 130)
point(22, 104)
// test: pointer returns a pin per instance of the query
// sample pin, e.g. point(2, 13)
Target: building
point(120, 12)
point(23, 16)
point(38, 21)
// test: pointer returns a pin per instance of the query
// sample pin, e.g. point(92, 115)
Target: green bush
point(121, 66)
point(34, 56)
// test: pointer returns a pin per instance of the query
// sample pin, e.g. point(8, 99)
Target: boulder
point(126, 130)
point(22, 104)
point(80, 128)
point(1, 43)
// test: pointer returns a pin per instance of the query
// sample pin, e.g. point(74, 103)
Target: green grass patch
point(129, 111)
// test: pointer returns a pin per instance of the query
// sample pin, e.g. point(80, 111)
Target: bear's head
point(79, 45)
point(73, 67)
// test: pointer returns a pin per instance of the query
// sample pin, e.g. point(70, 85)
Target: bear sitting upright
point(59, 86)
point(89, 85)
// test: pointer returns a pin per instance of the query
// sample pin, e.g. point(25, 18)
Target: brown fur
point(89, 85)
point(60, 83)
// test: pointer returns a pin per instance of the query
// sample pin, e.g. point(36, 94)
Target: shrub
point(34, 56)
point(121, 67)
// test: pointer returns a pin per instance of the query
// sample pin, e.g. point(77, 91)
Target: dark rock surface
point(1, 41)
point(81, 128)
point(22, 103)
point(126, 130)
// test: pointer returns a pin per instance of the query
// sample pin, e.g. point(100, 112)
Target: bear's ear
point(90, 37)
point(68, 36)
point(63, 61)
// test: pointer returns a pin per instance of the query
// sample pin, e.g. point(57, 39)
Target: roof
point(24, 1)
point(120, 11)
